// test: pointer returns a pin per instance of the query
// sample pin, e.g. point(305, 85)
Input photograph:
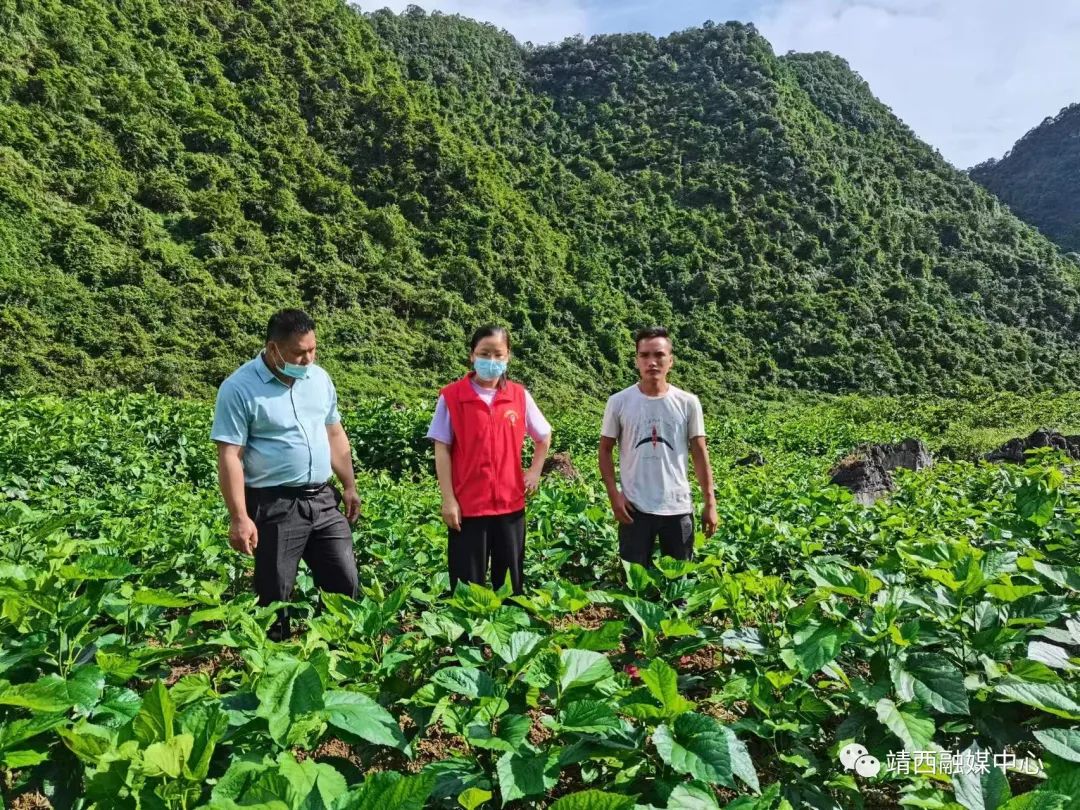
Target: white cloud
point(538, 21)
point(968, 76)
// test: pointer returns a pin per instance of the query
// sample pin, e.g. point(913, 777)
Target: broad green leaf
point(88, 742)
point(607, 637)
point(743, 639)
point(936, 682)
point(637, 577)
point(677, 628)
point(475, 599)
point(98, 566)
point(1063, 777)
point(473, 797)
point(692, 796)
point(1049, 654)
point(190, 688)
point(702, 747)
point(84, 686)
point(818, 644)
point(594, 800)
point(1025, 669)
point(238, 779)
point(1065, 577)
point(119, 667)
point(312, 785)
point(914, 732)
point(382, 791)
point(151, 596)
point(663, 684)
point(438, 625)
point(207, 725)
point(15, 732)
point(844, 580)
point(520, 645)
point(980, 791)
point(48, 694)
point(24, 758)
point(581, 668)
point(167, 758)
point(588, 716)
point(286, 690)
point(1010, 593)
point(648, 614)
point(54, 694)
point(1052, 698)
point(1061, 742)
point(117, 706)
point(522, 775)
point(154, 722)
point(510, 734)
point(946, 578)
point(362, 717)
point(1035, 503)
point(1037, 800)
point(472, 683)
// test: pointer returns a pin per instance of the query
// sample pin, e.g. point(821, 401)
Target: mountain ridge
point(170, 174)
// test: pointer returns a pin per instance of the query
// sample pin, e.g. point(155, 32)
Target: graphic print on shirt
point(657, 437)
point(654, 439)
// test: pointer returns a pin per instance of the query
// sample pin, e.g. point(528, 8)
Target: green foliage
point(1035, 178)
point(135, 669)
point(170, 173)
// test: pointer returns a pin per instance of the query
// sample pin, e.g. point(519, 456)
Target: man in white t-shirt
point(657, 426)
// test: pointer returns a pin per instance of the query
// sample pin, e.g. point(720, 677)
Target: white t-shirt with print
point(654, 446)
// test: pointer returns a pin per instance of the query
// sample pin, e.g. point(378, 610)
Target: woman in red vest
point(479, 431)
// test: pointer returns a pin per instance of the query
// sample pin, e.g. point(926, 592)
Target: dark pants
point(294, 527)
point(676, 533)
point(500, 538)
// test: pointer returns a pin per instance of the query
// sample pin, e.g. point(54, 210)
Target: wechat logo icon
point(855, 757)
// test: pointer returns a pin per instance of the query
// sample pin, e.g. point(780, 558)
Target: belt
point(309, 491)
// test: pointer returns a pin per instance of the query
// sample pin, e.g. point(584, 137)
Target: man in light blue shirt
point(279, 437)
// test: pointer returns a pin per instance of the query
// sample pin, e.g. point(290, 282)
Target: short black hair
point(286, 323)
point(651, 332)
point(489, 330)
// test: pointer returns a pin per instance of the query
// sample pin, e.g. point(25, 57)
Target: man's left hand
point(709, 519)
point(351, 501)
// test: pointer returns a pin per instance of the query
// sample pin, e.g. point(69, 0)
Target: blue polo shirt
point(282, 428)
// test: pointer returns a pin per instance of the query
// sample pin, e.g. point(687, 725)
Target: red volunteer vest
point(485, 455)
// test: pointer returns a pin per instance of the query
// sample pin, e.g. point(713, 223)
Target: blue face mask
point(294, 370)
point(488, 369)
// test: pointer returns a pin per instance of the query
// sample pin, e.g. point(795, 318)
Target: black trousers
point(294, 527)
point(676, 533)
point(498, 538)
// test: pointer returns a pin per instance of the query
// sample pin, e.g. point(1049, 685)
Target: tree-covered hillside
point(171, 172)
point(1039, 178)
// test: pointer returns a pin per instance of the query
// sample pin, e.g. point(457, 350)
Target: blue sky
point(968, 76)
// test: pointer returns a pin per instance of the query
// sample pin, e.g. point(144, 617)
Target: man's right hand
point(243, 536)
point(622, 508)
point(451, 513)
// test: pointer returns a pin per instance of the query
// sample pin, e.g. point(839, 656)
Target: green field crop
point(938, 629)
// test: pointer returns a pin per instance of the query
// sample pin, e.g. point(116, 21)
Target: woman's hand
point(451, 513)
point(532, 480)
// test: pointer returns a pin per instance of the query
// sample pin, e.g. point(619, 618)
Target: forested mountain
point(1039, 178)
point(171, 172)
